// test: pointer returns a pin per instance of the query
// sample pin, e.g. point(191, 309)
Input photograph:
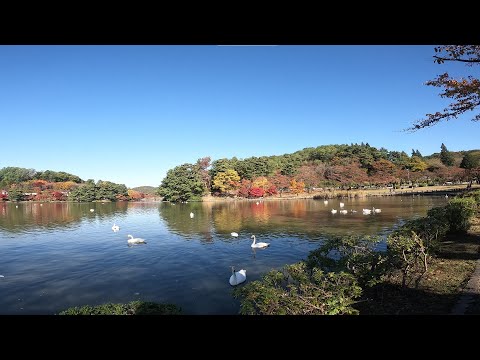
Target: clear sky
point(128, 114)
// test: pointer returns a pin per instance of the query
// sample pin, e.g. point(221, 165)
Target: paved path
point(468, 293)
point(473, 286)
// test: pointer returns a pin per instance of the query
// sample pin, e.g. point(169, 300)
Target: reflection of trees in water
point(177, 220)
point(29, 215)
point(300, 218)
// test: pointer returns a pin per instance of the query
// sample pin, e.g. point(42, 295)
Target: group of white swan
point(364, 211)
point(239, 277)
point(131, 240)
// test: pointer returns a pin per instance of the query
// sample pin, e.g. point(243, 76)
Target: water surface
point(57, 255)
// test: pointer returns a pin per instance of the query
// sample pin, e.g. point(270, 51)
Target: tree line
point(19, 184)
point(346, 166)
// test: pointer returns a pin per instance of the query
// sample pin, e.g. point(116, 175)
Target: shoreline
point(333, 194)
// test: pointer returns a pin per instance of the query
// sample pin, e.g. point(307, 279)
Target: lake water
point(57, 255)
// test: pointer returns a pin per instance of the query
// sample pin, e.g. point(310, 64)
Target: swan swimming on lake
point(342, 205)
point(192, 215)
point(325, 202)
point(234, 234)
point(92, 210)
point(334, 211)
point(367, 211)
point(133, 240)
point(343, 211)
point(115, 227)
point(377, 210)
point(258, 245)
point(238, 276)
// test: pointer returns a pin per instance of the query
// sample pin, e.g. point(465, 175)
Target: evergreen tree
point(469, 161)
point(446, 156)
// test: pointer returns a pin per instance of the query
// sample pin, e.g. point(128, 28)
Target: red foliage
point(57, 195)
point(41, 196)
point(272, 190)
point(309, 175)
point(281, 182)
point(347, 174)
point(3, 197)
point(256, 192)
point(243, 188)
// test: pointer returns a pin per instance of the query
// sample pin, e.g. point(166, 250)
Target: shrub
point(298, 290)
point(131, 308)
point(356, 255)
point(459, 211)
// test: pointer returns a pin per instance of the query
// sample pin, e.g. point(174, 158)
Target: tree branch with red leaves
point(464, 92)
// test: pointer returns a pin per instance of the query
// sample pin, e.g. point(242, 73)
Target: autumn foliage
point(256, 192)
point(464, 92)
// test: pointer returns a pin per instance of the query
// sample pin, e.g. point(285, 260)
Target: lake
point(57, 255)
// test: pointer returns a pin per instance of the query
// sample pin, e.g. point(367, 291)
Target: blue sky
point(128, 114)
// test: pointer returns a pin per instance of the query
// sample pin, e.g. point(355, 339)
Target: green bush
point(298, 290)
point(354, 254)
point(474, 195)
point(459, 211)
point(131, 308)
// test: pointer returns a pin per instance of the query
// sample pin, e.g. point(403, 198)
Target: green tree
point(106, 190)
point(15, 175)
point(182, 183)
point(464, 92)
point(83, 193)
point(469, 161)
point(15, 194)
point(416, 153)
point(446, 157)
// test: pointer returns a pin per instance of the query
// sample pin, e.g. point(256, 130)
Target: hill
point(145, 189)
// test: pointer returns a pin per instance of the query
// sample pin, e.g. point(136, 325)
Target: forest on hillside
point(341, 166)
point(21, 184)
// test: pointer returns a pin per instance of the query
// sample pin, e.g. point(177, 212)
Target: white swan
point(238, 276)
point(258, 245)
point(115, 227)
point(234, 234)
point(377, 210)
point(343, 211)
point(192, 215)
point(342, 205)
point(92, 210)
point(334, 211)
point(325, 202)
point(133, 240)
point(367, 211)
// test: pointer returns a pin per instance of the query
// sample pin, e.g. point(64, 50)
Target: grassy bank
point(439, 290)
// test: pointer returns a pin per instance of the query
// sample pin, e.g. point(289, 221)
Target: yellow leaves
point(226, 180)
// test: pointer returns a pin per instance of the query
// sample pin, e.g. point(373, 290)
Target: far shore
point(336, 193)
point(441, 190)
